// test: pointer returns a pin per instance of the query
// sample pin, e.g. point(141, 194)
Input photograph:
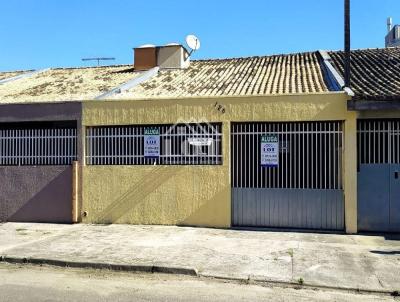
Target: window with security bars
point(32, 144)
point(179, 144)
point(378, 141)
point(310, 155)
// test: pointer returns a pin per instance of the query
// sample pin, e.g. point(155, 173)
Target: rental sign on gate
point(151, 142)
point(270, 150)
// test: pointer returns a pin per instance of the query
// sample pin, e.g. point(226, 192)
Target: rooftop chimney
point(145, 57)
point(173, 56)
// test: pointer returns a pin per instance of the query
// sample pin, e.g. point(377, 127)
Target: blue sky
point(43, 33)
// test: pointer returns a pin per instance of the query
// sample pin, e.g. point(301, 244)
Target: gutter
point(334, 78)
point(361, 105)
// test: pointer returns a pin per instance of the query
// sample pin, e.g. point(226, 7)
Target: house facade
point(270, 141)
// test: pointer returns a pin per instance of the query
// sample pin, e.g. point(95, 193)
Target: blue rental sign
point(270, 150)
point(152, 142)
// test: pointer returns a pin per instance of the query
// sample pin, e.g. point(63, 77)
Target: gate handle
point(396, 174)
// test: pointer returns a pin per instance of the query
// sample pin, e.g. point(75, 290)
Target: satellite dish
point(193, 42)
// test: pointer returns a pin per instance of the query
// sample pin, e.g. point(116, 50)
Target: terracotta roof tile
point(375, 76)
point(279, 74)
point(10, 74)
point(375, 72)
point(66, 84)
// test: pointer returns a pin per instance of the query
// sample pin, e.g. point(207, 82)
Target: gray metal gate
point(378, 175)
point(304, 191)
point(36, 171)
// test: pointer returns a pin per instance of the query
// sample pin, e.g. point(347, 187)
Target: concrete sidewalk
point(339, 261)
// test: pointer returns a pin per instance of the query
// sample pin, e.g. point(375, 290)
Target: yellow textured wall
point(267, 108)
point(186, 195)
point(350, 171)
point(157, 195)
point(172, 195)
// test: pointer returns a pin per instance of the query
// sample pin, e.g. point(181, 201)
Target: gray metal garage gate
point(379, 175)
point(304, 190)
point(36, 171)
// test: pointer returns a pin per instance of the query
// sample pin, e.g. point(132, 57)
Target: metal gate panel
point(394, 204)
point(36, 171)
point(288, 208)
point(378, 183)
point(305, 191)
point(373, 196)
point(38, 147)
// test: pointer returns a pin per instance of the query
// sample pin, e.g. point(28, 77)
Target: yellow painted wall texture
point(267, 108)
point(165, 194)
point(181, 195)
point(350, 172)
point(195, 195)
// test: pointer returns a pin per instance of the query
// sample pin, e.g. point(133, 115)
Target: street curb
point(188, 272)
point(293, 284)
point(109, 266)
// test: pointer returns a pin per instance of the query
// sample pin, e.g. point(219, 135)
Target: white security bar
point(310, 155)
point(21, 147)
point(180, 144)
point(378, 141)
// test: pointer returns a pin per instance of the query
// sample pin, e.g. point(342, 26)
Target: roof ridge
point(214, 59)
point(18, 70)
point(72, 68)
point(93, 67)
point(368, 48)
point(257, 56)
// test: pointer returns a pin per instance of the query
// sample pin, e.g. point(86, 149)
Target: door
point(287, 175)
point(378, 175)
point(374, 197)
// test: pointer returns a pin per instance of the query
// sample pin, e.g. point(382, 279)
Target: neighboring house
point(392, 38)
point(269, 141)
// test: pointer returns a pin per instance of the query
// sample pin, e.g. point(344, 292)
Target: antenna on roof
point(193, 42)
point(97, 59)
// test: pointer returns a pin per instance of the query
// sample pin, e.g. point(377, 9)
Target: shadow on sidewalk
point(387, 236)
point(385, 252)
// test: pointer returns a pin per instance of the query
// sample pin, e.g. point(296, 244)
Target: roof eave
point(362, 105)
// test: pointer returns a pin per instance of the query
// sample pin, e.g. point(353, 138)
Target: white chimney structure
point(392, 38)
